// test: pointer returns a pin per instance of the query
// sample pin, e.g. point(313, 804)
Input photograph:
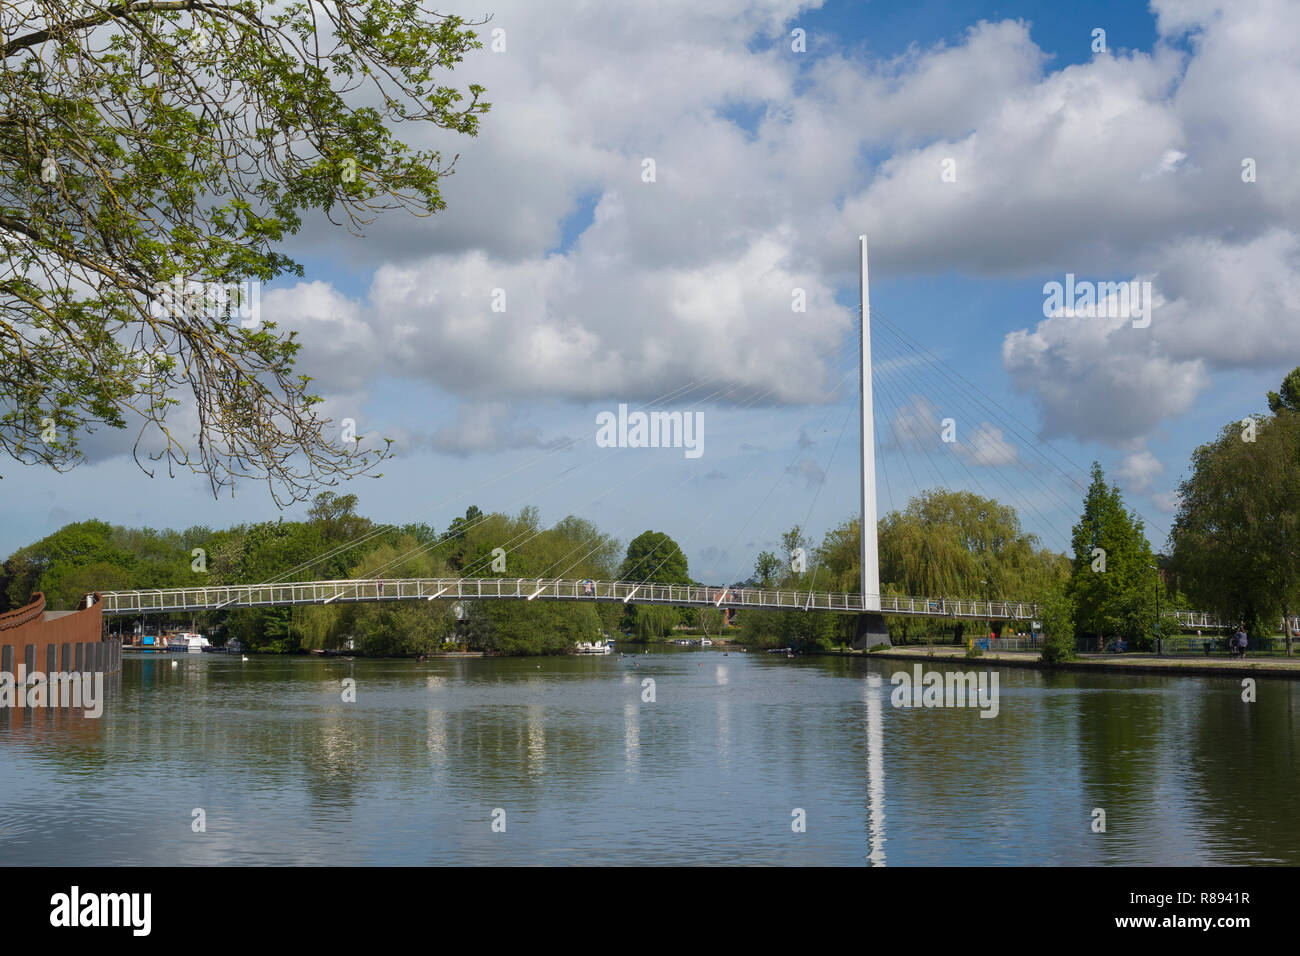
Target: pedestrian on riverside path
point(1241, 642)
point(379, 585)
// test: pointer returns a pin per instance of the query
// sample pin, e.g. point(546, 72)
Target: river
point(563, 761)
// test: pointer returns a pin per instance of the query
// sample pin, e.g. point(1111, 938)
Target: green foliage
point(93, 555)
point(1114, 599)
point(652, 622)
point(766, 568)
point(655, 558)
point(1057, 612)
point(1236, 537)
point(839, 557)
point(795, 629)
point(148, 143)
point(455, 534)
point(956, 544)
point(1288, 396)
point(708, 620)
point(538, 627)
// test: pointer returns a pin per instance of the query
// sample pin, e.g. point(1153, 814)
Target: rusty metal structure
point(53, 641)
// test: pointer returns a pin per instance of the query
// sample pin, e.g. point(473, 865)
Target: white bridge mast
point(870, 554)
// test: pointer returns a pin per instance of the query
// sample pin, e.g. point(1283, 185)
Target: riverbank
point(1111, 663)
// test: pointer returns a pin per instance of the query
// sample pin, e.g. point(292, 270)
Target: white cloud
point(1140, 471)
point(921, 424)
point(488, 426)
point(1167, 502)
point(987, 447)
point(1099, 378)
point(1120, 166)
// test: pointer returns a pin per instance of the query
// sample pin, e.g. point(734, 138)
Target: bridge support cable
point(441, 591)
point(997, 413)
point(903, 411)
point(945, 386)
point(1010, 421)
point(761, 504)
point(514, 543)
point(752, 471)
point(688, 479)
point(850, 370)
point(369, 535)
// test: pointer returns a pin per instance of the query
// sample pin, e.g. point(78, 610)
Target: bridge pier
point(870, 631)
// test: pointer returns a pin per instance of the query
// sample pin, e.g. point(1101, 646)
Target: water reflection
point(875, 693)
point(589, 772)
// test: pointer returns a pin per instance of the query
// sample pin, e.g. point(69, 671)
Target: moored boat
point(187, 641)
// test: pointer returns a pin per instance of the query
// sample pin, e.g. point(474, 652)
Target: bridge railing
point(404, 589)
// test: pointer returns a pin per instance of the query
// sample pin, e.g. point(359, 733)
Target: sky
point(986, 149)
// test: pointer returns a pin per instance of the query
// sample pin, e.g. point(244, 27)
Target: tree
point(1288, 396)
point(710, 620)
point(766, 566)
point(956, 544)
point(336, 517)
point(455, 534)
point(654, 557)
point(1057, 610)
point(1236, 536)
point(538, 627)
point(839, 556)
point(795, 546)
point(1111, 579)
point(50, 565)
point(653, 621)
point(153, 154)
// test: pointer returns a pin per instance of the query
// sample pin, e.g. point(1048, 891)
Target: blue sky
point(1114, 166)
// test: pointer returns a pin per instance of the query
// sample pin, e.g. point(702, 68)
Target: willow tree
point(153, 156)
point(960, 545)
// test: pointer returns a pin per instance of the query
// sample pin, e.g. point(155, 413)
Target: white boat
point(189, 641)
point(705, 642)
point(586, 648)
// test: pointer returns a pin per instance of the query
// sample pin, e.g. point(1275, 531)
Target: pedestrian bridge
point(231, 597)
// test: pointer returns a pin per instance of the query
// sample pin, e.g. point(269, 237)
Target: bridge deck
point(548, 589)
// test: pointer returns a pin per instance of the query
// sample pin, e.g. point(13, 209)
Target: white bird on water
point(244, 658)
point(174, 663)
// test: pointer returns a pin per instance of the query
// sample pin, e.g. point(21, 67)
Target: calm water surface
point(587, 772)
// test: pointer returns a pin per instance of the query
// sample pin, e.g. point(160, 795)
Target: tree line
point(1232, 552)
